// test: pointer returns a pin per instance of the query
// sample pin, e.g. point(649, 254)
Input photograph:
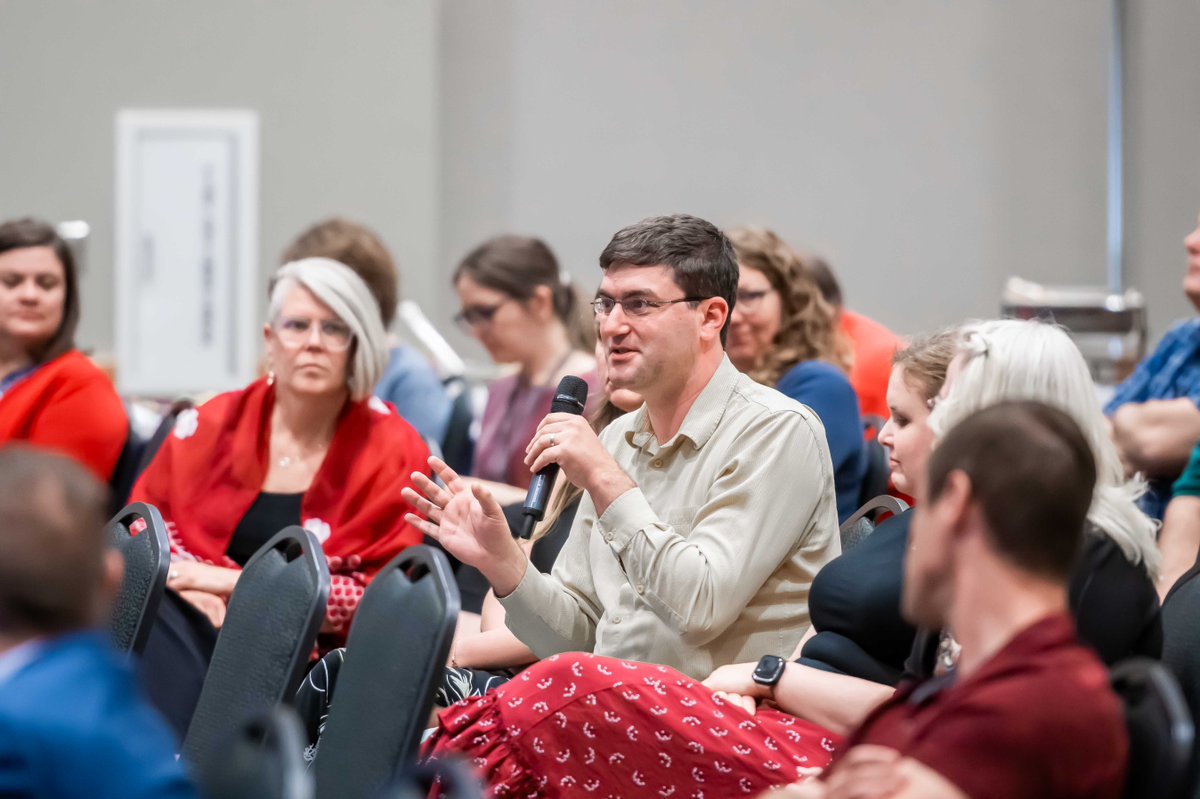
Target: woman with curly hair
point(782, 334)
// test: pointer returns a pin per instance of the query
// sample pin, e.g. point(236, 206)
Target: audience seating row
point(398, 642)
point(245, 742)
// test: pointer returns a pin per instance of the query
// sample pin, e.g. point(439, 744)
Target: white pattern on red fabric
point(187, 423)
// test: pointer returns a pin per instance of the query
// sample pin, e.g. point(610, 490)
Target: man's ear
point(955, 500)
point(716, 312)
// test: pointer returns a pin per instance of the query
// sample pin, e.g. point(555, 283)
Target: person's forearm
point(505, 572)
point(504, 493)
point(1157, 437)
point(1179, 541)
point(491, 649)
point(837, 702)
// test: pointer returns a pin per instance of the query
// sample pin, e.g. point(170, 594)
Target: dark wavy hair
point(807, 331)
point(19, 234)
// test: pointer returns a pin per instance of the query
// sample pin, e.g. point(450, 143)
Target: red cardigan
point(68, 405)
point(211, 469)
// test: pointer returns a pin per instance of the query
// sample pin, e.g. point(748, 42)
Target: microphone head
point(571, 395)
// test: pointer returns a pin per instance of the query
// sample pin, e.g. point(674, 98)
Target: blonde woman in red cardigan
point(51, 395)
point(306, 445)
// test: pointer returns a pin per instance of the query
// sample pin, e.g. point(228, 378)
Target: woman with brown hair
point(51, 395)
point(782, 334)
point(519, 305)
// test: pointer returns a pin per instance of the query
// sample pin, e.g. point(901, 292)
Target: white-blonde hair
point(1012, 359)
point(337, 286)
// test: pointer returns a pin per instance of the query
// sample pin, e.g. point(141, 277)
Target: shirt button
point(640, 588)
point(616, 619)
point(658, 464)
point(608, 537)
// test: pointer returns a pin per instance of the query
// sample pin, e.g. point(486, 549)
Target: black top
point(473, 587)
point(269, 514)
point(1113, 601)
point(854, 604)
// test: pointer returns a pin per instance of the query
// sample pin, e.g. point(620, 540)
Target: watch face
point(769, 670)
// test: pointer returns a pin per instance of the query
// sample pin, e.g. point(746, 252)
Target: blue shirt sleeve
point(1136, 387)
point(411, 385)
point(824, 388)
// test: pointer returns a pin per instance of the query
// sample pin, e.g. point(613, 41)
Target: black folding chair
point(1161, 731)
point(269, 632)
point(458, 448)
point(398, 644)
point(862, 522)
point(165, 427)
point(126, 470)
point(262, 759)
point(147, 557)
point(1181, 650)
point(453, 778)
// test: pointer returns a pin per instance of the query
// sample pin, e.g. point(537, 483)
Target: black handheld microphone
point(570, 397)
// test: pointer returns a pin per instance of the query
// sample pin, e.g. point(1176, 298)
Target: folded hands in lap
point(203, 586)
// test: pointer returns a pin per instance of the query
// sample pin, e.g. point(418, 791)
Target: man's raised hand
point(466, 520)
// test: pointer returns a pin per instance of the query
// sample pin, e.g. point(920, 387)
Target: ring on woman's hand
point(173, 575)
point(552, 439)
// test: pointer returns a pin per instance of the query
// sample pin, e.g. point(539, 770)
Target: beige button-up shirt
point(709, 560)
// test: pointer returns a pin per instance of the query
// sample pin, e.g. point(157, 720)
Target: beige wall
point(929, 149)
point(346, 96)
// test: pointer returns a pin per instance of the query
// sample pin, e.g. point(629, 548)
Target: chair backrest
point(862, 522)
point(147, 557)
point(270, 628)
point(262, 759)
point(1161, 731)
point(398, 644)
point(164, 429)
point(125, 472)
point(1181, 648)
point(458, 448)
point(455, 781)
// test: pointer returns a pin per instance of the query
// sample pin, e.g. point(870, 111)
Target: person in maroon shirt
point(1026, 711)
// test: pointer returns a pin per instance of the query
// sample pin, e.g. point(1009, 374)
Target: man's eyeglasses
point(477, 315)
point(750, 300)
point(635, 306)
point(296, 331)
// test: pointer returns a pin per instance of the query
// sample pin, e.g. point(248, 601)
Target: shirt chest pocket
point(682, 520)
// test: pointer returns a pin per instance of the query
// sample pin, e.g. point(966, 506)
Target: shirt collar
point(702, 418)
point(18, 658)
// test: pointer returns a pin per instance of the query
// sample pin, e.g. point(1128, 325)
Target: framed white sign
point(186, 250)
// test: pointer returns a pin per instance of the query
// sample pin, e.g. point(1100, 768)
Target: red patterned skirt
point(583, 725)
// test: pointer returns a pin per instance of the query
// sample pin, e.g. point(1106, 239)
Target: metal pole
point(1116, 165)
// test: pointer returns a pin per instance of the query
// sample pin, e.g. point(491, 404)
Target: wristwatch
point(768, 671)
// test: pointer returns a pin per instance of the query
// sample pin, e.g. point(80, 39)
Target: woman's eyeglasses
point(295, 332)
point(635, 306)
point(750, 300)
point(477, 315)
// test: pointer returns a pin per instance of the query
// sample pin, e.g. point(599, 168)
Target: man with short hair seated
point(72, 723)
point(707, 512)
point(1027, 711)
